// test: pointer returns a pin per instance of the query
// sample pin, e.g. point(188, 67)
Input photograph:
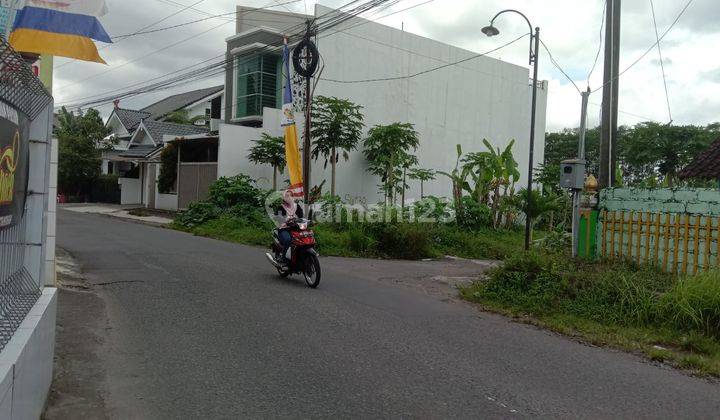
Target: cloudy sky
point(570, 28)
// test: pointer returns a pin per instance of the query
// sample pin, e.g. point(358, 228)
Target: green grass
point(403, 241)
point(666, 318)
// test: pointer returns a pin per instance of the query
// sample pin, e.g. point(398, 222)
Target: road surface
point(190, 327)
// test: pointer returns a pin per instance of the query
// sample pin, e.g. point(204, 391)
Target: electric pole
point(608, 126)
point(306, 142)
point(577, 194)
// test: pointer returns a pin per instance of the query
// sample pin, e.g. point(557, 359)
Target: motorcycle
point(301, 257)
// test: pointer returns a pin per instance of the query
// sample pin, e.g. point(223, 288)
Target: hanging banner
point(14, 164)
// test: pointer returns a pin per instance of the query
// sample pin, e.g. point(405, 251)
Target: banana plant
point(458, 176)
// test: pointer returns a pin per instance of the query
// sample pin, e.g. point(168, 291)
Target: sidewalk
point(116, 210)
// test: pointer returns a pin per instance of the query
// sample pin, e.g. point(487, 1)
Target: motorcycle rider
point(290, 210)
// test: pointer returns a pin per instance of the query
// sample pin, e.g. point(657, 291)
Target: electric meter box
point(572, 174)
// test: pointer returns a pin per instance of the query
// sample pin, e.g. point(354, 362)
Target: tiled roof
point(138, 151)
point(162, 108)
point(706, 165)
point(158, 129)
point(130, 118)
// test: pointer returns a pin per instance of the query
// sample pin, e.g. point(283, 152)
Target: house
point(704, 166)
point(451, 95)
point(137, 138)
point(201, 104)
point(143, 151)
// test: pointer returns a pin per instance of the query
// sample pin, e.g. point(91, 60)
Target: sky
point(569, 28)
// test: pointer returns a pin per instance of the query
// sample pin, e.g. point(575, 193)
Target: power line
point(600, 43)
point(555, 63)
point(651, 47)
point(410, 76)
point(153, 52)
point(662, 66)
point(221, 66)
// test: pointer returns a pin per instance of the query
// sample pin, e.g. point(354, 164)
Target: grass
point(403, 241)
point(665, 318)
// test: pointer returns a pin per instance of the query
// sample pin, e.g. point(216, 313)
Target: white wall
point(129, 190)
point(233, 148)
point(480, 98)
point(166, 201)
point(26, 362)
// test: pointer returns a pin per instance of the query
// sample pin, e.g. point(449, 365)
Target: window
point(258, 84)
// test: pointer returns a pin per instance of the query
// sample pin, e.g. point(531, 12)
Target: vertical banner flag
point(64, 28)
point(292, 153)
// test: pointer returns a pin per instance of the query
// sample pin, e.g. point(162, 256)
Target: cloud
point(570, 28)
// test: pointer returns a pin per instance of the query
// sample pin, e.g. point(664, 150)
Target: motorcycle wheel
point(283, 273)
point(311, 271)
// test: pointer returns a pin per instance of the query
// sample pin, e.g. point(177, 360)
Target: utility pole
point(608, 126)
point(577, 194)
point(306, 142)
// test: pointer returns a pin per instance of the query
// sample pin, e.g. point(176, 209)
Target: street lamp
point(491, 30)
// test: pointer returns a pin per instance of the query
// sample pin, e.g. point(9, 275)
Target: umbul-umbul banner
point(292, 153)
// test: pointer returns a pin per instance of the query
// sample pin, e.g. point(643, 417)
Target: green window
point(258, 84)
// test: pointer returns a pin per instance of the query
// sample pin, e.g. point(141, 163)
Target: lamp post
point(534, 46)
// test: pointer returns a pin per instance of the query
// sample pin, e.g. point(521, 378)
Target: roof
point(706, 165)
point(138, 151)
point(158, 129)
point(130, 118)
point(181, 100)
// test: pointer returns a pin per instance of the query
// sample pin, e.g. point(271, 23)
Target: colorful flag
point(64, 28)
point(292, 153)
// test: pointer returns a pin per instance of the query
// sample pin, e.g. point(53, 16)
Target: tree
point(651, 149)
point(168, 168)
point(81, 140)
point(182, 116)
point(422, 175)
point(269, 150)
point(534, 204)
point(386, 150)
point(337, 127)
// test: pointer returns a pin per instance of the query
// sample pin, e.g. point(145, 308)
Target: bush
point(693, 303)
point(410, 241)
point(227, 192)
point(197, 214)
point(475, 215)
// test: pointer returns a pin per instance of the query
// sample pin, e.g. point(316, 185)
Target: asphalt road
point(198, 328)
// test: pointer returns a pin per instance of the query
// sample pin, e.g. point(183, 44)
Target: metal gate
point(194, 179)
point(21, 91)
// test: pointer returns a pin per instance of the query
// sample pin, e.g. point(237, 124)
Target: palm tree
point(337, 127)
point(269, 150)
point(422, 175)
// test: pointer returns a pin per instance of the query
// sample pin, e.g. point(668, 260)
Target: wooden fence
point(680, 243)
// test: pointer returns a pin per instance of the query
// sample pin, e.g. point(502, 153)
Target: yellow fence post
point(708, 242)
point(666, 251)
point(604, 232)
point(685, 244)
point(696, 245)
point(676, 243)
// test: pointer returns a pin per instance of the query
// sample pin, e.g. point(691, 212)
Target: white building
point(461, 103)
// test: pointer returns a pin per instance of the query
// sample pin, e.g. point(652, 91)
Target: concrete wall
point(674, 228)
point(233, 148)
point(26, 363)
point(129, 190)
point(701, 201)
point(166, 202)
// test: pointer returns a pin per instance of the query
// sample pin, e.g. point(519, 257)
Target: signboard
point(14, 164)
